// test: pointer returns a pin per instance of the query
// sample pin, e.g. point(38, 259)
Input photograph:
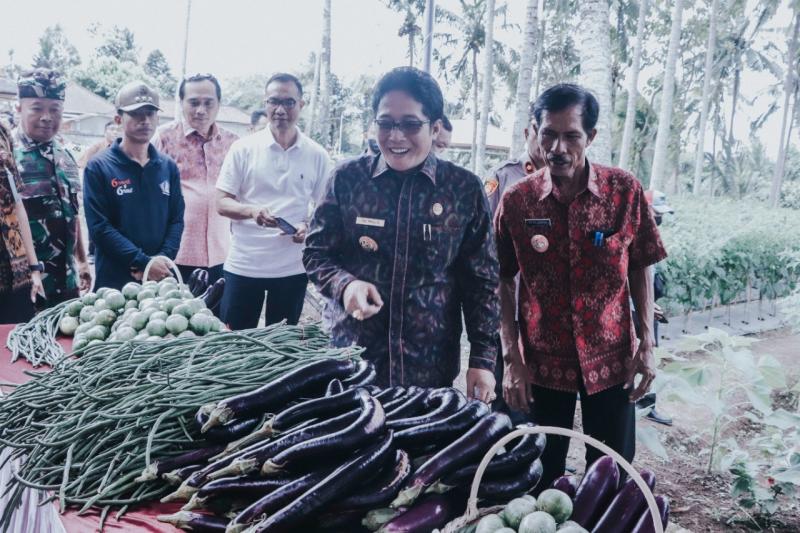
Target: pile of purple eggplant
point(601, 503)
point(210, 293)
point(323, 449)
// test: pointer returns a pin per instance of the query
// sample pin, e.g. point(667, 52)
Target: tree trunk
point(667, 93)
point(780, 165)
point(708, 74)
point(325, 77)
point(539, 58)
point(525, 79)
point(411, 49)
point(633, 89)
point(473, 152)
point(488, 81)
point(311, 127)
point(594, 45)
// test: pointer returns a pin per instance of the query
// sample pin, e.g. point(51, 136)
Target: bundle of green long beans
point(36, 340)
point(88, 427)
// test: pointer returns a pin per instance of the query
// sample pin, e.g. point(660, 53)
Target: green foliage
point(725, 377)
point(716, 250)
point(55, 51)
point(105, 75)
point(157, 67)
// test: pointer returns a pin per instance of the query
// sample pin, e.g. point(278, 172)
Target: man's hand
point(644, 363)
point(84, 276)
point(36, 286)
point(263, 217)
point(361, 300)
point(159, 270)
point(516, 383)
point(480, 385)
point(300, 236)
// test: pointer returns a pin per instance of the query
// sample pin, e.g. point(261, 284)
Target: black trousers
point(16, 306)
point(244, 297)
point(214, 272)
point(607, 416)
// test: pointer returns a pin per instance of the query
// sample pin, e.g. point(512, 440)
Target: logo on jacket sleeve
point(164, 188)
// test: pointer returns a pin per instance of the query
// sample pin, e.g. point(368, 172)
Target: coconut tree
point(479, 162)
point(411, 10)
point(525, 79)
point(668, 91)
point(633, 89)
point(323, 125)
point(789, 87)
point(595, 52)
point(708, 74)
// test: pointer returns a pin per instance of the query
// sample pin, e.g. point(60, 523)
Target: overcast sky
point(239, 37)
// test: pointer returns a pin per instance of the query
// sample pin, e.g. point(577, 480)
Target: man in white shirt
point(268, 185)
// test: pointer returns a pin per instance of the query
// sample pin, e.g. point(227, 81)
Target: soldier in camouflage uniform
point(51, 185)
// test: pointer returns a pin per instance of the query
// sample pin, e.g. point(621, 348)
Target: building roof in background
point(496, 139)
point(81, 101)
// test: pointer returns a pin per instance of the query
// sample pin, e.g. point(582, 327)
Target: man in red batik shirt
point(583, 240)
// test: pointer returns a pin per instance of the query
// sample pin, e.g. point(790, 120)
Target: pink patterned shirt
point(206, 234)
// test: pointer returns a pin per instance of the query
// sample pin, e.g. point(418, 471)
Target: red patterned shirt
point(206, 233)
point(575, 312)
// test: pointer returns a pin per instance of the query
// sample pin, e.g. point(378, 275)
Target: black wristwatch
point(38, 267)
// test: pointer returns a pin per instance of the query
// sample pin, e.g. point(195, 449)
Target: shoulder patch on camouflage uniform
point(490, 185)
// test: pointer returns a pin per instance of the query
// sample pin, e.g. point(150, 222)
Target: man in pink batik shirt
point(198, 145)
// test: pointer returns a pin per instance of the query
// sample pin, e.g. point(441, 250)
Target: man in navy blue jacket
point(132, 196)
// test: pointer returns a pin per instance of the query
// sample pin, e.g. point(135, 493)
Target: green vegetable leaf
point(772, 372)
point(649, 437)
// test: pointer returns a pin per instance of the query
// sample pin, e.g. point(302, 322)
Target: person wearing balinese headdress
point(50, 186)
point(20, 282)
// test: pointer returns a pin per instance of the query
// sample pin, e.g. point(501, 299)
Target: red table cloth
point(141, 519)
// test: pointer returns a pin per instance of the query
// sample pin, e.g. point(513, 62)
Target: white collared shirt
point(258, 171)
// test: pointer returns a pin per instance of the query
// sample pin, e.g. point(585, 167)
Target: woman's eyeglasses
point(406, 126)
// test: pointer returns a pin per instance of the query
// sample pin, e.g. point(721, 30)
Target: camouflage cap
point(41, 83)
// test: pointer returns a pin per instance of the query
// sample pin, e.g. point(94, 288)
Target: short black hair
point(256, 115)
point(446, 124)
point(565, 95)
point(418, 84)
point(200, 77)
point(285, 77)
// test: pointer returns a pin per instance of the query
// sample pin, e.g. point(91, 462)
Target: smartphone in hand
point(285, 226)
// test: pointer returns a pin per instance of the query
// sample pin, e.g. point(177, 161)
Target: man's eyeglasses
point(406, 126)
point(286, 103)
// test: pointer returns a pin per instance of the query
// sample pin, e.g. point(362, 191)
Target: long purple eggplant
point(316, 408)
point(410, 392)
point(342, 481)
point(567, 484)
point(334, 387)
point(245, 486)
point(364, 375)
point(167, 464)
point(432, 511)
point(468, 448)
point(235, 429)
point(249, 462)
point(440, 404)
point(527, 449)
point(279, 392)
point(383, 489)
point(597, 489)
point(179, 475)
point(370, 423)
point(442, 431)
point(626, 507)
point(412, 406)
point(213, 296)
point(189, 521)
point(516, 484)
point(276, 499)
point(390, 394)
point(645, 522)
